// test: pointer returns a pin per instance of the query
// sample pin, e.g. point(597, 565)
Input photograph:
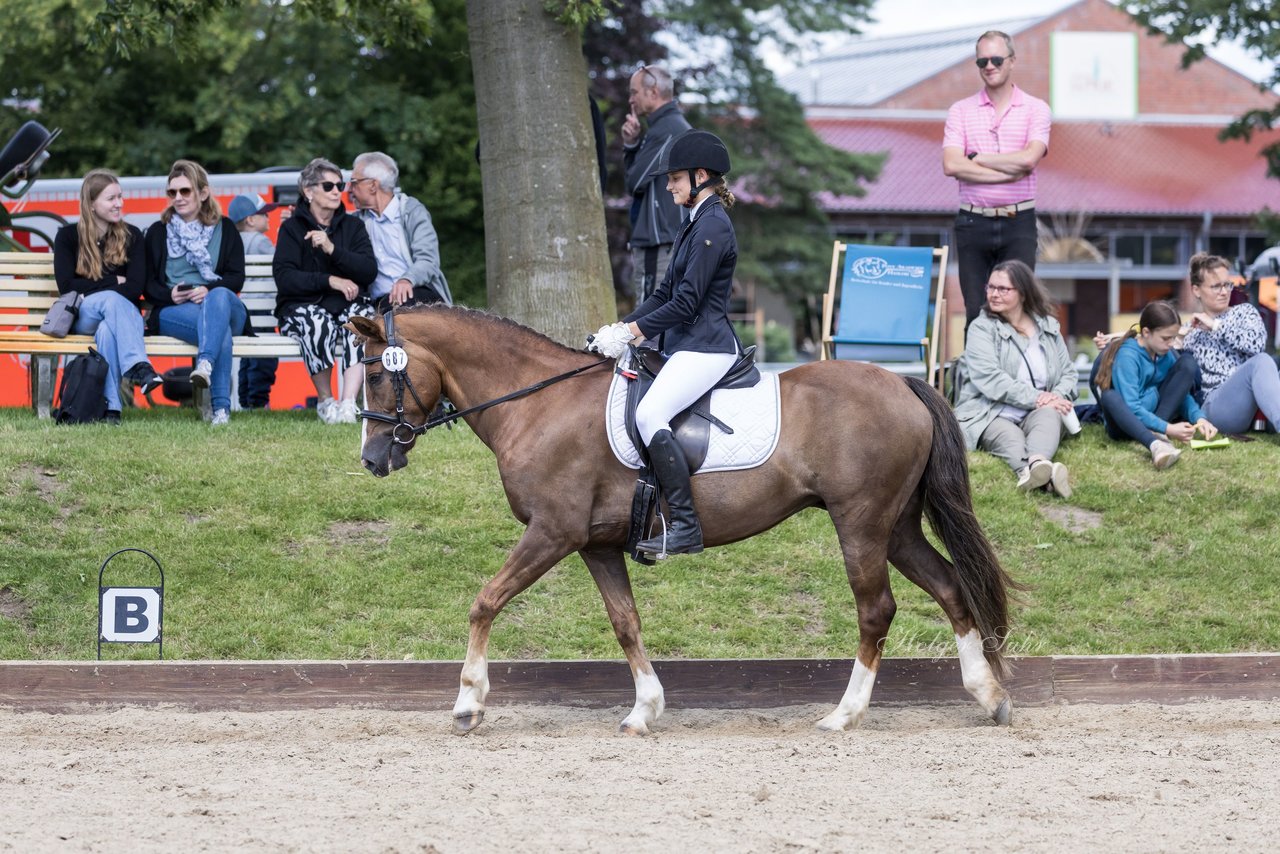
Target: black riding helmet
point(693, 150)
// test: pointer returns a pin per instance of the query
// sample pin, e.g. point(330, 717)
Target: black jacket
point(657, 217)
point(690, 308)
point(66, 251)
point(229, 265)
point(302, 272)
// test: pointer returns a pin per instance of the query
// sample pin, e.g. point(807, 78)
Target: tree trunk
point(546, 253)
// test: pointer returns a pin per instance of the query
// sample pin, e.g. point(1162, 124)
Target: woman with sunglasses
point(195, 271)
point(1020, 382)
point(100, 256)
point(1228, 341)
point(324, 265)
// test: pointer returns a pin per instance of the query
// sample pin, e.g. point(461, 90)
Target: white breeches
point(685, 378)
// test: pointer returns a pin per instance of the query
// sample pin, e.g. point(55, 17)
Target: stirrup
point(661, 554)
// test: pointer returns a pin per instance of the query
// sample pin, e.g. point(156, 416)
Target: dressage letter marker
point(130, 614)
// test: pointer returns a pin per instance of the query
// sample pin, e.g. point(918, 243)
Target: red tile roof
point(1097, 167)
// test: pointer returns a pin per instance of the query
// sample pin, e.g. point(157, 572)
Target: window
point(1166, 249)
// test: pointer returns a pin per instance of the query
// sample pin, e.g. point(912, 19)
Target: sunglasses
point(997, 61)
point(328, 186)
point(180, 191)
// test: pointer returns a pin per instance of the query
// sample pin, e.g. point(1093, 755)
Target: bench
point(28, 289)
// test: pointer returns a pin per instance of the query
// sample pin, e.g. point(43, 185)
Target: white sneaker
point(327, 411)
point(1034, 476)
point(346, 412)
point(221, 418)
point(1163, 454)
point(201, 373)
point(1060, 480)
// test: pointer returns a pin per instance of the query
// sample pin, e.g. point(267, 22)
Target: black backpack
point(82, 394)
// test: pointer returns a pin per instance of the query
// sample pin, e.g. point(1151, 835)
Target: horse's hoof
point(633, 730)
point(463, 724)
point(1003, 714)
point(838, 723)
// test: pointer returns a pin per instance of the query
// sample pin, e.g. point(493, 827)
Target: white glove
point(611, 340)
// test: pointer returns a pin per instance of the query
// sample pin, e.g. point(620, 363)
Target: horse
point(877, 451)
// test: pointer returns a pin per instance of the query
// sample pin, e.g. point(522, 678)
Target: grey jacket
point(992, 359)
point(657, 216)
point(420, 245)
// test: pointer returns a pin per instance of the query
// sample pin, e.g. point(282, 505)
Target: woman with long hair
point(100, 256)
point(1142, 385)
point(1237, 377)
point(195, 271)
point(1017, 400)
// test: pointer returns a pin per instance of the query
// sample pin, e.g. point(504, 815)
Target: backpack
point(82, 393)
point(955, 372)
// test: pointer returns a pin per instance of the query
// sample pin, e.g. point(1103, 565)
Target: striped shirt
point(972, 125)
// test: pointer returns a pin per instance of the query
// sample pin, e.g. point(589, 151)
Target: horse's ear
point(368, 329)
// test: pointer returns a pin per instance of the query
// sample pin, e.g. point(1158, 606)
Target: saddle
point(691, 428)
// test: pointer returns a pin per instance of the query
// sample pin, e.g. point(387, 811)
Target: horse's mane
point(483, 317)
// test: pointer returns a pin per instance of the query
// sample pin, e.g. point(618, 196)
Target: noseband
point(395, 360)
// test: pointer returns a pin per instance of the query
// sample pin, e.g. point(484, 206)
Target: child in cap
point(249, 213)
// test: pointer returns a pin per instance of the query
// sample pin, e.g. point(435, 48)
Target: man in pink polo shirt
point(992, 144)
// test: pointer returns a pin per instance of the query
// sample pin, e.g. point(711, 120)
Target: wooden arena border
point(433, 685)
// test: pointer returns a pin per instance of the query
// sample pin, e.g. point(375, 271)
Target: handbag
point(62, 315)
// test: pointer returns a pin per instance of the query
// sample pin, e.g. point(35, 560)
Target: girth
point(692, 427)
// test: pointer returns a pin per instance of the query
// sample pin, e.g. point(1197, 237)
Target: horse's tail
point(984, 584)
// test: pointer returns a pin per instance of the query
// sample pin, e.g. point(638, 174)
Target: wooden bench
point(28, 289)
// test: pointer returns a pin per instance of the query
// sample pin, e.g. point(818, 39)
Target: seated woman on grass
point(1021, 380)
point(1142, 385)
point(1228, 342)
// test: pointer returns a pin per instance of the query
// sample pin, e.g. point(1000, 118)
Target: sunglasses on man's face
point(997, 61)
point(174, 192)
point(328, 186)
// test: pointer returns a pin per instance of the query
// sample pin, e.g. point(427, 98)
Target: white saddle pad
point(753, 413)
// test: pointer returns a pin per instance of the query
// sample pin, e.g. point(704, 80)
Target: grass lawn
point(276, 544)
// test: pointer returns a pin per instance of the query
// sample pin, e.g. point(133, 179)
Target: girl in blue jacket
point(1143, 385)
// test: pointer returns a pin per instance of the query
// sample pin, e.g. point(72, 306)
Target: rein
point(394, 359)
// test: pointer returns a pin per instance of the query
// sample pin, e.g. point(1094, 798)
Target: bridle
point(395, 360)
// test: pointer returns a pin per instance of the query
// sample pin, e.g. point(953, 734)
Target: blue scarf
point(192, 240)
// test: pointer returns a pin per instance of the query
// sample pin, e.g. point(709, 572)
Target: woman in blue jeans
point(1142, 385)
point(100, 256)
point(195, 270)
point(1229, 342)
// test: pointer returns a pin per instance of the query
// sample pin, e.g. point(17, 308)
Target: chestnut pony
point(877, 451)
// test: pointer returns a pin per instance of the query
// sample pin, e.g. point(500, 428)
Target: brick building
point(1134, 167)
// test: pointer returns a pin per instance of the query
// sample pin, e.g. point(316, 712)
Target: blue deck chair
point(884, 304)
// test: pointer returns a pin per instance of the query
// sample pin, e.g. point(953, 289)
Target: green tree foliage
point(240, 86)
point(780, 166)
point(1250, 22)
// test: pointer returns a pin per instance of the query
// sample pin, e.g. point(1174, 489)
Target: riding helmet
point(694, 149)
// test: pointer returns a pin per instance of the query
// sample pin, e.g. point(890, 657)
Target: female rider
point(688, 311)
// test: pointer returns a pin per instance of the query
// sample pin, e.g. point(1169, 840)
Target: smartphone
point(184, 286)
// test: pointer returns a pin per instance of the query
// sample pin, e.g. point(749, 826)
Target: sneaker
point(145, 377)
point(112, 418)
point(220, 418)
point(1035, 475)
point(201, 373)
point(1060, 480)
point(1164, 454)
point(346, 412)
point(327, 411)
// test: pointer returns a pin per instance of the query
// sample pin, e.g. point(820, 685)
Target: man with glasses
point(655, 217)
point(404, 240)
point(992, 144)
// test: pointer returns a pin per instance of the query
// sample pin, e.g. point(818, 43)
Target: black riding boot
point(683, 534)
